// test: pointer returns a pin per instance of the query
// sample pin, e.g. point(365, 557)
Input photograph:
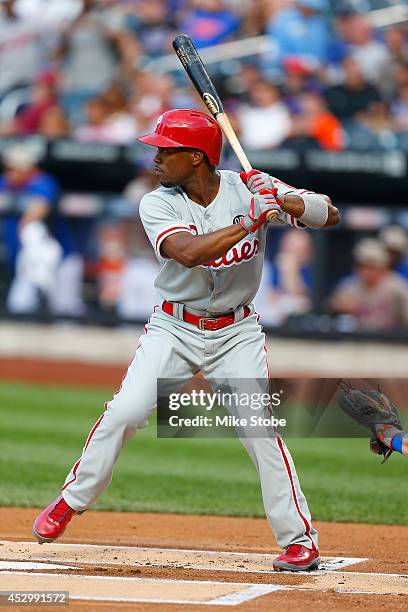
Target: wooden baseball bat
point(197, 72)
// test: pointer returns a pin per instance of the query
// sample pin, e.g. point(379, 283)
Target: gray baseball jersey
point(226, 283)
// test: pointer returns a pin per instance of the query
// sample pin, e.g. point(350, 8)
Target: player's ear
point(197, 157)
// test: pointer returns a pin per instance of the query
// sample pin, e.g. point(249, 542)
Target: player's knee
point(127, 412)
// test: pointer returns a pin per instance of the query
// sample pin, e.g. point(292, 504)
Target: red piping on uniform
point(91, 433)
point(74, 471)
point(98, 422)
point(286, 462)
point(305, 521)
point(171, 229)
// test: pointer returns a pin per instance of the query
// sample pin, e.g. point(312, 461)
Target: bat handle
point(271, 215)
point(228, 130)
point(230, 135)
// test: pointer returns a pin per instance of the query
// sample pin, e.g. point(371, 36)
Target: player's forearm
point(394, 438)
point(194, 251)
point(314, 210)
point(294, 205)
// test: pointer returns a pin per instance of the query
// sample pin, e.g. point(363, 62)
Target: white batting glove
point(257, 181)
point(261, 204)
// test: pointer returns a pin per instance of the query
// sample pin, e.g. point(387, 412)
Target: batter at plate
point(208, 229)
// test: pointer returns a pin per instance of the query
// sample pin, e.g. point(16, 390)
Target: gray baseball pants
point(172, 348)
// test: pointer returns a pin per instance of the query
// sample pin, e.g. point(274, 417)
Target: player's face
point(371, 275)
point(173, 166)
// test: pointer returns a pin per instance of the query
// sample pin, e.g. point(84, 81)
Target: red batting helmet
point(184, 127)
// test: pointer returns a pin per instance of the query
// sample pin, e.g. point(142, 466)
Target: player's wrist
point(250, 224)
point(315, 211)
point(245, 223)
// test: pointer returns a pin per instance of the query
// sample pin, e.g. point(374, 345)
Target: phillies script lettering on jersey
point(243, 251)
point(221, 285)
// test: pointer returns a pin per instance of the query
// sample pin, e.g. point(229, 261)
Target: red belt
point(206, 323)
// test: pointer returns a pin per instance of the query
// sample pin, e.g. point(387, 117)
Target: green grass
point(43, 429)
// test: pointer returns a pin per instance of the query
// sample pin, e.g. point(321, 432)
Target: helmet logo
point(159, 120)
point(211, 103)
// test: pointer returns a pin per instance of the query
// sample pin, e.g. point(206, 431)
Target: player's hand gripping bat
point(193, 65)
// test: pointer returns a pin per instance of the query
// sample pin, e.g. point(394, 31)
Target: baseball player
point(208, 229)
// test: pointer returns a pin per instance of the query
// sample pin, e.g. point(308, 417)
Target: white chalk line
point(250, 591)
point(119, 547)
point(134, 579)
point(30, 565)
point(329, 564)
point(332, 565)
point(233, 599)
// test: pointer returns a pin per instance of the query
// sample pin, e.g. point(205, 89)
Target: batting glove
point(261, 204)
point(256, 181)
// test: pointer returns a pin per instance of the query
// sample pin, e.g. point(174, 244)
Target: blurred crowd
point(375, 295)
point(91, 69)
point(68, 266)
point(372, 297)
point(68, 269)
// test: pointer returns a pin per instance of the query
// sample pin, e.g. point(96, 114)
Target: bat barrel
point(193, 65)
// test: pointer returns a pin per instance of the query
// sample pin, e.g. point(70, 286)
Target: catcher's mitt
point(369, 408)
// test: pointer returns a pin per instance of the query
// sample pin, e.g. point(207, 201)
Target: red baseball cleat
point(52, 521)
point(297, 558)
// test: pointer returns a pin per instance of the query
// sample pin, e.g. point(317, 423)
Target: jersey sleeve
point(160, 220)
point(285, 218)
